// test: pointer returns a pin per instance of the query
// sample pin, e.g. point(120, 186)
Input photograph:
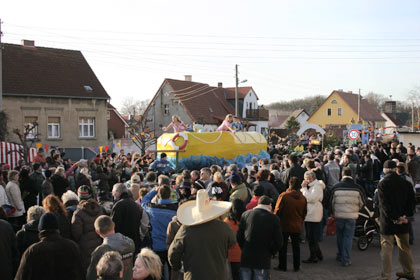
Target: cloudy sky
point(285, 49)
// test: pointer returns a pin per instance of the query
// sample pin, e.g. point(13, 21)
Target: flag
point(106, 148)
point(46, 148)
point(38, 145)
point(119, 144)
point(134, 138)
point(100, 149)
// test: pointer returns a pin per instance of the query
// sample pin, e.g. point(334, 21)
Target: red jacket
point(253, 203)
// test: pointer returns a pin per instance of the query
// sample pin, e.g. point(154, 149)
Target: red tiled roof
point(277, 120)
point(204, 104)
point(367, 111)
point(42, 71)
point(242, 92)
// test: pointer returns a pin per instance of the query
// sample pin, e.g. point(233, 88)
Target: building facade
point(57, 90)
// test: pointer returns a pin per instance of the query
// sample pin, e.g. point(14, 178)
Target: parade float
point(194, 150)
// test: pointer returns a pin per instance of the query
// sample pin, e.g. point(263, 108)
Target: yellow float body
point(207, 148)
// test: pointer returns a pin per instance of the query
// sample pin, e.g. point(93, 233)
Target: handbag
point(9, 209)
point(331, 226)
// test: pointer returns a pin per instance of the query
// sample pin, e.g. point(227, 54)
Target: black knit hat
point(48, 221)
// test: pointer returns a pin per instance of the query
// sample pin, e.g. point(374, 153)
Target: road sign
point(354, 134)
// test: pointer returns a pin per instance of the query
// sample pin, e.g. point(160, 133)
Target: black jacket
point(126, 215)
point(396, 198)
point(9, 255)
point(293, 171)
point(54, 257)
point(27, 236)
point(260, 236)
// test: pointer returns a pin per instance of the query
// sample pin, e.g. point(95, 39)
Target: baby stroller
point(367, 227)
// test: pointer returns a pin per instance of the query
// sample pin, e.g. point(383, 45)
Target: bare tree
point(414, 101)
point(376, 100)
point(133, 107)
point(143, 137)
point(25, 141)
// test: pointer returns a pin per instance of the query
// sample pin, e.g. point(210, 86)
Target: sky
point(284, 49)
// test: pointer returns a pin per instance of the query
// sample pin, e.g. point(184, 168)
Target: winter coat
point(83, 230)
point(346, 199)
point(64, 225)
point(15, 198)
point(314, 194)
point(82, 180)
point(3, 196)
point(71, 206)
point(234, 253)
point(160, 216)
point(104, 182)
point(252, 203)
point(116, 242)
point(172, 230)
point(332, 173)
point(29, 192)
point(396, 199)
point(293, 171)
point(269, 189)
point(260, 237)
point(38, 179)
point(203, 249)
point(54, 257)
point(127, 215)
point(239, 192)
point(27, 236)
point(9, 254)
point(47, 187)
point(291, 208)
point(60, 184)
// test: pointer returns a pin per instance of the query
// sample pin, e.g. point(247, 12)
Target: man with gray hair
point(110, 266)
point(28, 235)
point(126, 214)
point(396, 202)
point(105, 228)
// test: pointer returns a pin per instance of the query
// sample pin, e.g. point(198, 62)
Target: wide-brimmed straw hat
point(201, 210)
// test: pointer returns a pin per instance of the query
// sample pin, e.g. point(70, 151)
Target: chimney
point(188, 78)
point(350, 91)
point(219, 84)
point(340, 90)
point(390, 107)
point(28, 43)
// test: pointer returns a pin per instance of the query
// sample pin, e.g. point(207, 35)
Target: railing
point(257, 114)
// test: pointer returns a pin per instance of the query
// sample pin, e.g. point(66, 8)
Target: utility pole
point(358, 107)
point(236, 89)
point(1, 70)
point(412, 117)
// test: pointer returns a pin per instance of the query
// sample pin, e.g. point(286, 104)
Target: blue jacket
point(160, 215)
point(161, 166)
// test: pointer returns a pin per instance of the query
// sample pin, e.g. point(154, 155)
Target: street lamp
point(236, 89)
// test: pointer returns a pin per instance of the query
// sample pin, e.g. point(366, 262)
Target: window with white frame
point(29, 123)
point(166, 109)
point(329, 111)
point(53, 127)
point(340, 111)
point(87, 127)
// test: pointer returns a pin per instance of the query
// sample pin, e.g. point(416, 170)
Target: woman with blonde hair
point(227, 124)
point(147, 266)
point(54, 205)
point(176, 124)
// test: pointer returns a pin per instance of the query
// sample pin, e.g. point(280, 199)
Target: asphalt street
point(366, 264)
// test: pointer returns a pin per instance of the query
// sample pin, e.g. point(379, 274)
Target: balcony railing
point(255, 114)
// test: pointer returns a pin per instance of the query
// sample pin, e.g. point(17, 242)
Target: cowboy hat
point(201, 210)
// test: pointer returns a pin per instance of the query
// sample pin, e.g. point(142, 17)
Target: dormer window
point(88, 88)
point(333, 101)
point(211, 110)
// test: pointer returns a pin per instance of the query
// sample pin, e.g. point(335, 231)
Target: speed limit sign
point(353, 134)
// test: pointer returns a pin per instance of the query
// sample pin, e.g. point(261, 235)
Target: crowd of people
point(123, 216)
